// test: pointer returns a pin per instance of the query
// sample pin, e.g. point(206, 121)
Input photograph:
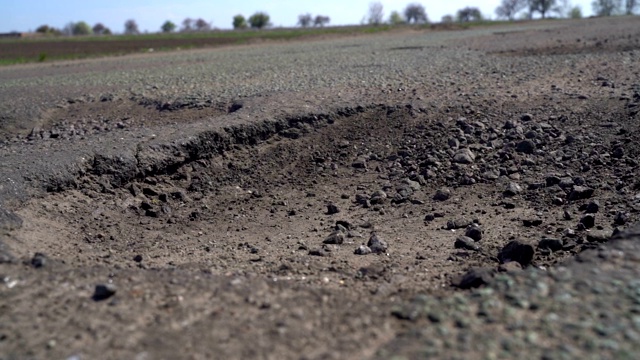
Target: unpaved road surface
point(445, 194)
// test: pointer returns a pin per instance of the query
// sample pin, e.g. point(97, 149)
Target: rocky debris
point(378, 197)
point(592, 207)
point(518, 251)
point(474, 278)
point(442, 194)
point(376, 244)
point(324, 251)
point(467, 243)
point(104, 291)
point(599, 236)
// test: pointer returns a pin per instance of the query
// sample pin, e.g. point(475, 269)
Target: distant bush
point(321, 21)
point(131, 27)
point(81, 28)
point(395, 18)
point(100, 29)
point(415, 13)
point(576, 12)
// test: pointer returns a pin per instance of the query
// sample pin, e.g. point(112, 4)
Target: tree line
point(414, 13)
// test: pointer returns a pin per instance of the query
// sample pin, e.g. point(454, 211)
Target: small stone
point(620, 218)
point(442, 194)
point(593, 207)
point(512, 189)
point(474, 232)
point(550, 244)
point(531, 222)
point(137, 258)
point(38, 260)
point(600, 236)
point(332, 209)
point(474, 278)
point(376, 244)
point(464, 156)
point(518, 251)
point(362, 250)
point(378, 197)
point(580, 192)
point(322, 252)
point(359, 164)
point(588, 221)
point(511, 266)
point(617, 153)
point(336, 237)
point(465, 242)
point(104, 291)
point(458, 224)
point(526, 117)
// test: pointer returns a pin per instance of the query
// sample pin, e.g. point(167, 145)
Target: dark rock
point(550, 244)
point(359, 164)
point(465, 242)
point(442, 194)
point(322, 252)
point(378, 197)
point(38, 260)
point(137, 258)
point(526, 117)
point(526, 146)
point(588, 221)
point(592, 207)
point(580, 193)
point(474, 278)
point(376, 244)
point(518, 251)
point(336, 237)
point(617, 153)
point(458, 224)
point(332, 209)
point(104, 291)
point(474, 232)
point(362, 250)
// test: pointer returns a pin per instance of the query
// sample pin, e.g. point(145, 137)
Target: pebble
point(442, 194)
point(474, 278)
point(465, 242)
point(38, 260)
point(474, 232)
point(332, 209)
point(104, 291)
point(362, 250)
point(336, 237)
point(526, 146)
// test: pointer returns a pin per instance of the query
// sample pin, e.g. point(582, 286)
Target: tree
point(541, 6)
point(395, 18)
point(100, 29)
point(447, 19)
point(168, 27)
point(576, 12)
point(321, 21)
point(131, 27)
point(259, 20)
point(606, 7)
point(187, 25)
point(376, 13)
point(305, 20)
point(509, 8)
point(630, 6)
point(81, 28)
point(202, 25)
point(239, 22)
point(415, 13)
point(469, 14)
point(43, 29)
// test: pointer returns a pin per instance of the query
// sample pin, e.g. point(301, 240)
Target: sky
point(27, 15)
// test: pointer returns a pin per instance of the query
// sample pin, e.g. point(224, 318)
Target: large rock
point(517, 250)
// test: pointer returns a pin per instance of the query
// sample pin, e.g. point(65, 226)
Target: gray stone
point(362, 250)
point(8, 220)
point(550, 244)
point(588, 220)
point(467, 243)
point(512, 189)
point(442, 194)
point(580, 193)
point(376, 244)
point(464, 156)
point(336, 237)
point(458, 224)
point(474, 232)
point(332, 209)
point(474, 278)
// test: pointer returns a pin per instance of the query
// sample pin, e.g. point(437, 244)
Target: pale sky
point(25, 15)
